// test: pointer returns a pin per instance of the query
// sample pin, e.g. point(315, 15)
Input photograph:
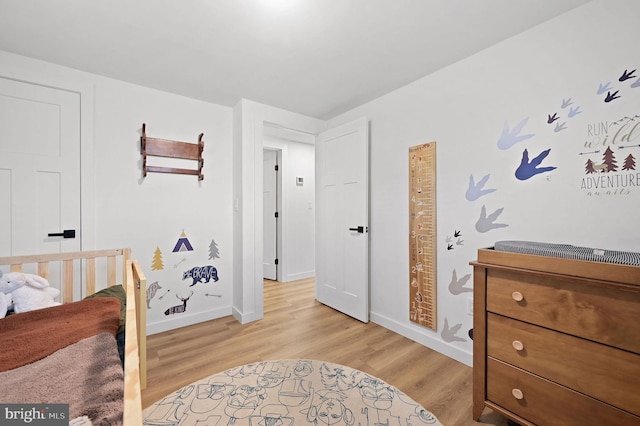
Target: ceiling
point(315, 57)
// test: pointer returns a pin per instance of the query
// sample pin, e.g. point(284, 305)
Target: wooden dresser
point(556, 341)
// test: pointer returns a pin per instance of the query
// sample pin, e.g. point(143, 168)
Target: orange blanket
point(31, 336)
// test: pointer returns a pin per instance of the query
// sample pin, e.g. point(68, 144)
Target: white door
point(342, 221)
point(269, 197)
point(39, 168)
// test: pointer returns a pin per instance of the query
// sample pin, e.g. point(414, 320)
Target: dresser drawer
point(596, 370)
point(598, 312)
point(545, 403)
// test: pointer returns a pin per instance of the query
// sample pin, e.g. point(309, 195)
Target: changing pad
point(568, 251)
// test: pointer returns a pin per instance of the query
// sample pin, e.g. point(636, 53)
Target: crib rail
point(67, 260)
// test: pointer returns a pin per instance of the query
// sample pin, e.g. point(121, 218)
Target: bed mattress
point(568, 251)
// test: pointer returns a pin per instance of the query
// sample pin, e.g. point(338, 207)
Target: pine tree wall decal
point(629, 163)
point(157, 264)
point(610, 160)
point(214, 252)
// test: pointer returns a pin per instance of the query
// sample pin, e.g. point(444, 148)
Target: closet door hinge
point(276, 261)
point(276, 214)
point(276, 167)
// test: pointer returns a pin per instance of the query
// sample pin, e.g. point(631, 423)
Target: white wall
point(297, 216)
point(464, 108)
point(165, 205)
point(123, 209)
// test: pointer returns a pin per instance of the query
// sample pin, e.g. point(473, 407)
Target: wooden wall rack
point(171, 149)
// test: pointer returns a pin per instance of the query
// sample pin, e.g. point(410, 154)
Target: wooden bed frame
point(119, 268)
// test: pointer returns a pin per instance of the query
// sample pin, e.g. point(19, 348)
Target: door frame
point(44, 74)
point(249, 121)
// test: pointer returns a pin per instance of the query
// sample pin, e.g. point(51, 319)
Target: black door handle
point(67, 233)
point(359, 229)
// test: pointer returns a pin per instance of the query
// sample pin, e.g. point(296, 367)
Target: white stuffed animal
point(5, 302)
point(28, 291)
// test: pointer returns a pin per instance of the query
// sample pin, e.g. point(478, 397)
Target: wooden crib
point(79, 274)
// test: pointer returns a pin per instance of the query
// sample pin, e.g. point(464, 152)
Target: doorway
point(295, 203)
point(341, 251)
point(255, 121)
point(270, 211)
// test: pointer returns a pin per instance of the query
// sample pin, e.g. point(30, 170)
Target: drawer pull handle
point(517, 393)
point(517, 345)
point(517, 296)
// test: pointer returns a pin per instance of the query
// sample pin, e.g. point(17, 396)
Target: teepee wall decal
point(183, 244)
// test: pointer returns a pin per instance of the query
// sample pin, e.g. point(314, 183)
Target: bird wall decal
point(486, 222)
point(604, 88)
point(508, 138)
point(449, 333)
point(626, 75)
point(574, 111)
point(611, 96)
point(475, 191)
point(566, 103)
point(457, 286)
point(528, 169)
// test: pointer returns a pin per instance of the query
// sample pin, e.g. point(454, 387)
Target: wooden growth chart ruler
point(422, 235)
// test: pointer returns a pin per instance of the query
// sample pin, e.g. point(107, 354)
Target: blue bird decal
point(528, 169)
point(603, 88)
point(475, 191)
point(574, 111)
point(512, 137)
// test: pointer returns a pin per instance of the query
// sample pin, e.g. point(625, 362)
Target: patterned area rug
point(286, 393)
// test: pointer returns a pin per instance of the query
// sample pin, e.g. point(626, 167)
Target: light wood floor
point(297, 326)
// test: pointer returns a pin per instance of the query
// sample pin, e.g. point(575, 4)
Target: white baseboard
point(185, 320)
point(299, 276)
point(245, 318)
point(424, 339)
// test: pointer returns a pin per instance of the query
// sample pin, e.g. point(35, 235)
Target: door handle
point(67, 233)
point(359, 229)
